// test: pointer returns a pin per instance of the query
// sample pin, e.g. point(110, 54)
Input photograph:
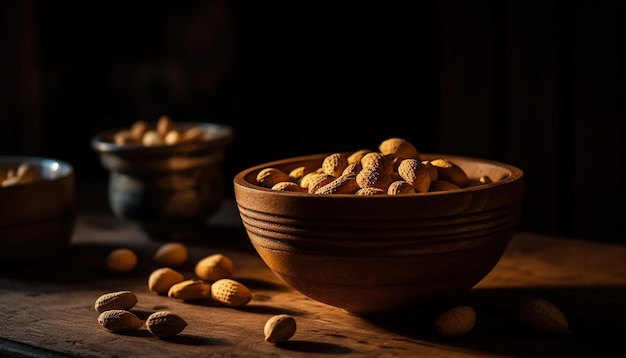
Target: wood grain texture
point(47, 308)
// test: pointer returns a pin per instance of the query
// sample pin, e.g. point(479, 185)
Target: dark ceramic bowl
point(37, 218)
point(381, 253)
point(169, 190)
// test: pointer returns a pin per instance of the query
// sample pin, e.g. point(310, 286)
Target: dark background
point(537, 84)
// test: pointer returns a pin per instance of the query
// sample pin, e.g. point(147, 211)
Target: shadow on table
point(596, 317)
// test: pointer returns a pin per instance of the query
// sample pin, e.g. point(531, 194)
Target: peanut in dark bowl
point(37, 218)
point(375, 254)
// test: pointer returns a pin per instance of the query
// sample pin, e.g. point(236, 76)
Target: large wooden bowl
point(381, 253)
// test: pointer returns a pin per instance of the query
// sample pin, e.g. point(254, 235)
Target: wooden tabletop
point(48, 307)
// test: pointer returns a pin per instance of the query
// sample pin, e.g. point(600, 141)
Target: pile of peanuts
point(213, 280)
point(24, 173)
point(165, 132)
point(393, 170)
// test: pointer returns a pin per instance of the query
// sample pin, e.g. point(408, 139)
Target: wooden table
point(47, 308)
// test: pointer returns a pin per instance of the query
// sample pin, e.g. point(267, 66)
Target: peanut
point(432, 170)
point(190, 290)
point(279, 328)
point(25, 173)
point(415, 173)
point(442, 185)
point(378, 161)
point(120, 300)
point(306, 179)
point(119, 320)
point(230, 293)
point(165, 324)
point(125, 137)
point(373, 177)
point(456, 321)
point(172, 137)
point(164, 125)
point(151, 139)
point(162, 279)
point(298, 173)
point(400, 148)
point(121, 260)
point(484, 179)
point(357, 156)
point(171, 254)
point(334, 164)
point(138, 129)
point(269, 177)
point(319, 181)
point(289, 186)
point(451, 172)
point(542, 316)
point(353, 168)
point(399, 187)
point(370, 191)
point(193, 134)
point(345, 184)
point(214, 267)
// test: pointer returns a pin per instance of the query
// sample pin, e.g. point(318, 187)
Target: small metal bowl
point(169, 190)
point(37, 218)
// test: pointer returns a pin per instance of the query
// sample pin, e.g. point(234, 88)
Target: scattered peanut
point(165, 324)
point(162, 279)
point(230, 293)
point(190, 290)
point(279, 328)
point(542, 316)
point(121, 260)
point(171, 254)
point(456, 321)
point(214, 267)
point(120, 300)
point(119, 320)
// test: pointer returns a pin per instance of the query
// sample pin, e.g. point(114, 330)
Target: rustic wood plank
point(49, 306)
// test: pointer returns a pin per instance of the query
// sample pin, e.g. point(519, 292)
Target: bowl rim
point(515, 174)
point(101, 142)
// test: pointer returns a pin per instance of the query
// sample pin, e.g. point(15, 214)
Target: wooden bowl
point(374, 254)
point(36, 218)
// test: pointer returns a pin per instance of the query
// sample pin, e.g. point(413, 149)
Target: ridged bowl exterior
point(374, 254)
